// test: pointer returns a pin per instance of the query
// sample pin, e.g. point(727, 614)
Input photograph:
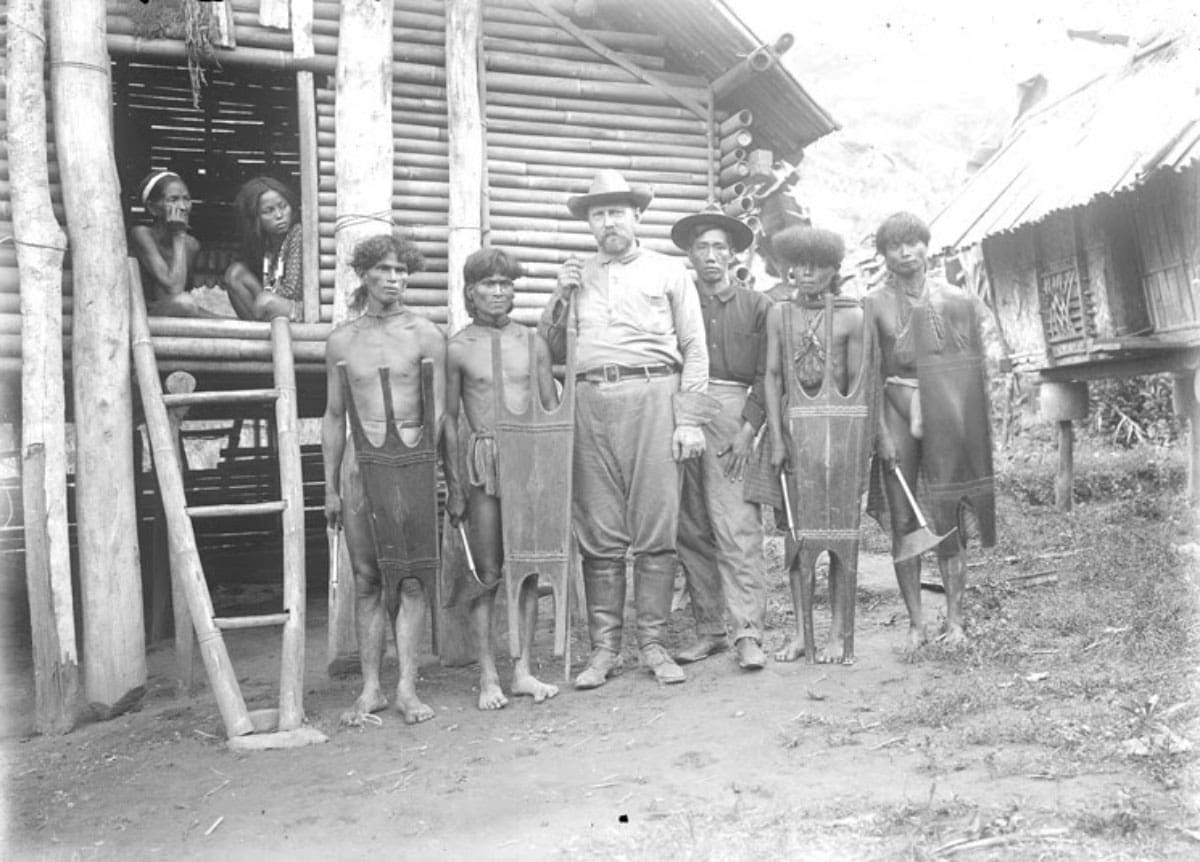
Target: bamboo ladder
point(266, 728)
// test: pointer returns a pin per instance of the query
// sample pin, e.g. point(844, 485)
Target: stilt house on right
point(1084, 229)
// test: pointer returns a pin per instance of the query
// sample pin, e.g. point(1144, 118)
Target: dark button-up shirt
point(735, 323)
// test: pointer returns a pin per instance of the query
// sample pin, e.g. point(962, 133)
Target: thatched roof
point(1108, 136)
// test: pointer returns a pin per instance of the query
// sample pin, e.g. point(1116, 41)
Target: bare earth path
point(795, 759)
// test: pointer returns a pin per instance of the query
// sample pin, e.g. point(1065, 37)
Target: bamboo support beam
point(291, 483)
point(114, 654)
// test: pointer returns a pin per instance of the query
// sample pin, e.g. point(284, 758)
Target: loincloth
point(915, 422)
point(481, 463)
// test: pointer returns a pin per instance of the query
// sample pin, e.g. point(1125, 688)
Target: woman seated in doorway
point(264, 281)
point(165, 251)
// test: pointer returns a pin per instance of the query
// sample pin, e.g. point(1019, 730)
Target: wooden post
point(1187, 406)
point(114, 653)
point(467, 158)
point(1063, 403)
point(363, 118)
point(1064, 478)
point(464, 119)
point(363, 172)
point(40, 243)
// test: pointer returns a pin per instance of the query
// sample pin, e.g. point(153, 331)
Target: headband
point(153, 181)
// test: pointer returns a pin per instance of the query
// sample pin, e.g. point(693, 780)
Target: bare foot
point(491, 696)
point(367, 703)
point(916, 639)
point(954, 636)
point(831, 653)
point(528, 684)
point(792, 651)
point(410, 706)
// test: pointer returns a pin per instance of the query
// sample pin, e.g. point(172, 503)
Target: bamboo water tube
point(735, 122)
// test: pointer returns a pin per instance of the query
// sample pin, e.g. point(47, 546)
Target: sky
point(917, 85)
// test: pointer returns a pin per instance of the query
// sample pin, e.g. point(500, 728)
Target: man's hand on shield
point(687, 442)
point(333, 509)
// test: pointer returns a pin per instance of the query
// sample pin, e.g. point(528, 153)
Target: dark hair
point(373, 249)
point(155, 192)
point(900, 227)
point(486, 263)
point(820, 247)
point(245, 205)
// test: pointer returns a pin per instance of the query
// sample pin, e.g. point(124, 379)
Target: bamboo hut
point(464, 123)
point(1086, 223)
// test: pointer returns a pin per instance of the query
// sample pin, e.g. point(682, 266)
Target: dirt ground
point(796, 760)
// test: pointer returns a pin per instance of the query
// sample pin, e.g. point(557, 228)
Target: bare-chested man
point(387, 335)
point(932, 338)
point(814, 257)
point(488, 291)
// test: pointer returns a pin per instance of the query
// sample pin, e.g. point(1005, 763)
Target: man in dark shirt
point(720, 535)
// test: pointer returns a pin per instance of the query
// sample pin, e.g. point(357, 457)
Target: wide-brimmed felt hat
point(740, 235)
point(608, 187)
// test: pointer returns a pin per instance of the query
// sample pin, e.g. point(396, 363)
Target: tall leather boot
point(604, 589)
point(654, 585)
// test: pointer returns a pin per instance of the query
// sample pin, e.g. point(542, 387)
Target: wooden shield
point(830, 439)
point(956, 450)
point(400, 484)
point(533, 459)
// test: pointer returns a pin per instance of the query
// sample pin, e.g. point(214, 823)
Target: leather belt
point(617, 373)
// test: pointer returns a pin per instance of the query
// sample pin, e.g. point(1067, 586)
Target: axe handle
point(787, 504)
point(912, 501)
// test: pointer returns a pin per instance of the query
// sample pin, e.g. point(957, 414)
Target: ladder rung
point(251, 622)
point(231, 396)
point(226, 509)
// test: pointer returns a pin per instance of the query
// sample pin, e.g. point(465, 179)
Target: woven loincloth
point(481, 463)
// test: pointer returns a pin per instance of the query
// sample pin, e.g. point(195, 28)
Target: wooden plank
point(466, 155)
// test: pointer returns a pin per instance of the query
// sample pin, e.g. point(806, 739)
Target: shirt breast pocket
point(742, 353)
point(651, 310)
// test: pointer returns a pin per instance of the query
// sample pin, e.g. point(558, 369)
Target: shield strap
point(400, 486)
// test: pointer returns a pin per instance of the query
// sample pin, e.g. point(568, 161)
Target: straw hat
point(609, 187)
point(740, 236)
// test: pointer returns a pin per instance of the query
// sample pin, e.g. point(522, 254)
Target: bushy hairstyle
point(898, 228)
point(800, 244)
point(485, 263)
point(373, 249)
point(245, 205)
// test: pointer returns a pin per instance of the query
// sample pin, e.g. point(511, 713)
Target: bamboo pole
point(176, 383)
point(39, 251)
point(734, 122)
point(110, 582)
point(291, 484)
point(185, 558)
